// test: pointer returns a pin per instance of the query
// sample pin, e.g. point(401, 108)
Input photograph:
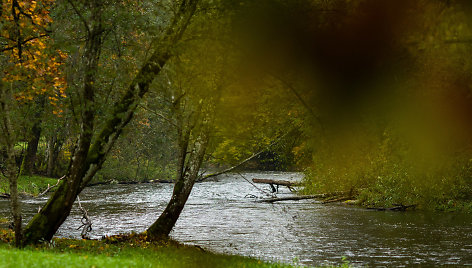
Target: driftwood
point(397, 207)
point(301, 197)
point(340, 199)
point(162, 181)
point(297, 197)
point(276, 182)
point(86, 222)
point(128, 182)
point(4, 195)
point(100, 183)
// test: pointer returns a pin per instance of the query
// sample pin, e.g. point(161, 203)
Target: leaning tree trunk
point(45, 223)
point(85, 165)
point(162, 227)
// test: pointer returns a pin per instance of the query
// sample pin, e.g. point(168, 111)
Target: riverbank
point(28, 185)
point(34, 185)
point(112, 252)
point(390, 198)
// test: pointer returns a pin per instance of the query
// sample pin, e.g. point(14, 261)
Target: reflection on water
point(219, 217)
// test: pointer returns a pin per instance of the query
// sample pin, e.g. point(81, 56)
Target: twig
point(81, 17)
point(264, 192)
point(50, 187)
point(86, 222)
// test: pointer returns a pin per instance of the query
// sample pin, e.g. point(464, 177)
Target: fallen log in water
point(276, 182)
point(100, 183)
point(296, 198)
point(4, 195)
point(162, 181)
point(301, 197)
point(398, 207)
point(344, 198)
point(287, 198)
point(129, 182)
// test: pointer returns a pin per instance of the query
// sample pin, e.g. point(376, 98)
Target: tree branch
point(300, 99)
point(51, 186)
point(24, 42)
point(80, 16)
point(202, 178)
point(159, 115)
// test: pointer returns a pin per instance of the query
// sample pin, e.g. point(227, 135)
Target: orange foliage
point(34, 67)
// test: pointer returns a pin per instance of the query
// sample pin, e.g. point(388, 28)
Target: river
point(220, 216)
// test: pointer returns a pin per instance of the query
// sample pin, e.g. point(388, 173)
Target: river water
point(220, 216)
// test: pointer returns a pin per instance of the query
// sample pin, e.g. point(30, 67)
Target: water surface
point(221, 217)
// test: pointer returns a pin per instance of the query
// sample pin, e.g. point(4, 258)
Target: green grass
point(132, 253)
point(28, 184)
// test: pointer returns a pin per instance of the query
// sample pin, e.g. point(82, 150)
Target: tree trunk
point(45, 223)
point(88, 159)
point(27, 167)
point(12, 174)
point(32, 149)
point(183, 187)
point(54, 146)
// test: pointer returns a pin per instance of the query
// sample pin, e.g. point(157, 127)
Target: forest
point(367, 101)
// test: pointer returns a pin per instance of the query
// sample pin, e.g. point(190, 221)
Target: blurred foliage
point(394, 103)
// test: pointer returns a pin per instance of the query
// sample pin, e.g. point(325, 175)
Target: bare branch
point(168, 120)
point(300, 99)
point(51, 186)
point(80, 16)
point(86, 221)
point(242, 162)
point(24, 42)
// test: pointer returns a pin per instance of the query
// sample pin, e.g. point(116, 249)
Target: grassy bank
point(115, 253)
point(31, 185)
